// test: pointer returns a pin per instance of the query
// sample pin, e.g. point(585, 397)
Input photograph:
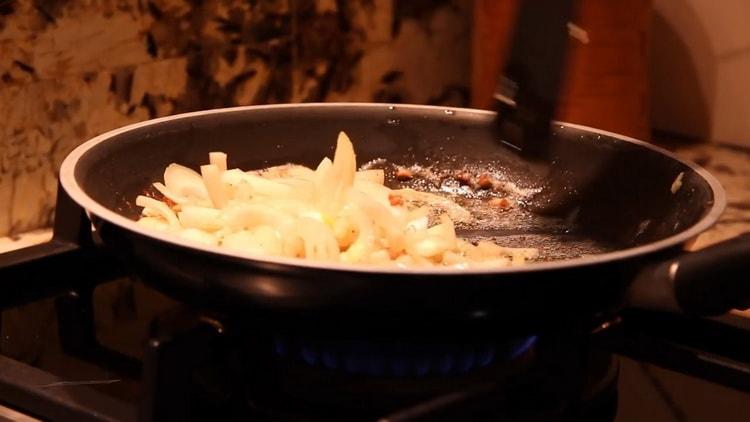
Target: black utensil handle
point(708, 282)
point(529, 85)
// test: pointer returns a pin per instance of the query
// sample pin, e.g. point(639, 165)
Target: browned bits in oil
point(485, 181)
point(395, 200)
point(404, 174)
point(501, 203)
point(464, 179)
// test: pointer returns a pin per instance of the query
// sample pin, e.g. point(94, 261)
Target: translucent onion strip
point(219, 159)
point(159, 207)
point(212, 179)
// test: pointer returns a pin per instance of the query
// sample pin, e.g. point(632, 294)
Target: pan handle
point(708, 282)
point(667, 322)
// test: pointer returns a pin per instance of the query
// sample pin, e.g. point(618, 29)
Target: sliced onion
point(258, 184)
point(233, 177)
point(261, 240)
point(375, 191)
point(454, 259)
point(300, 188)
point(429, 247)
point(243, 216)
point(268, 187)
point(376, 176)
point(160, 207)
point(379, 257)
point(366, 238)
point(203, 218)
point(345, 231)
point(184, 182)
point(156, 223)
point(300, 172)
point(382, 218)
point(219, 159)
point(331, 213)
point(198, 235)
point(214, 186)
point(170, 195)
point(318, 239)
point(344, 161)
point(416, 198)
point(293, 245)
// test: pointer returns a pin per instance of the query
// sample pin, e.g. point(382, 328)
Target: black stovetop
point(154, 359)
point(143, 356)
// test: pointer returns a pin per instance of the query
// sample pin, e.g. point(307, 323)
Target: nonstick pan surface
point(602, 207)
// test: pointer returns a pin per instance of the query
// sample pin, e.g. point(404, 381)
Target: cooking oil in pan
point(497, 206)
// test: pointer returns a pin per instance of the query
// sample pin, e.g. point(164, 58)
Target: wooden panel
point(493, 21)
point(606, 82)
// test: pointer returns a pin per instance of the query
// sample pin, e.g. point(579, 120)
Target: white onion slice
point(219, 159)
point(160, 207)
point(214, 186)
point(455, 212)
point(198, 235)
point(184, 182)
point(373, 176)
point(203, 218)
point(262, 240)
point(170, 195)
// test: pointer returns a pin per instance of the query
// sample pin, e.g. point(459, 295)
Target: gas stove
point(82, 341)
point(199, 367)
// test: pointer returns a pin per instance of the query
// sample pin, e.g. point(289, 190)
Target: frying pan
point(606, 216)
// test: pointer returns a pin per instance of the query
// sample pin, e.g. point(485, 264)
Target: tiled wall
point(71, 69)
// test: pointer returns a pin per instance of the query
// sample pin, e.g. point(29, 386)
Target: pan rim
point(76, 192)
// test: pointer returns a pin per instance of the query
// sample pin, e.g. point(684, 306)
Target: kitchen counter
point(9, 243)
point(731, 165)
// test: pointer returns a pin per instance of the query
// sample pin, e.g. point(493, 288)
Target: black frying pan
point(606, 219)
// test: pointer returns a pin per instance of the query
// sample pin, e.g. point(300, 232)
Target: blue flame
point(400, 360)
point(309, 355)
point(485, 356)
point(522, 347)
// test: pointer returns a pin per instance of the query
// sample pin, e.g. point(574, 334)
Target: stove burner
point(399, 359)
point(522, 347)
